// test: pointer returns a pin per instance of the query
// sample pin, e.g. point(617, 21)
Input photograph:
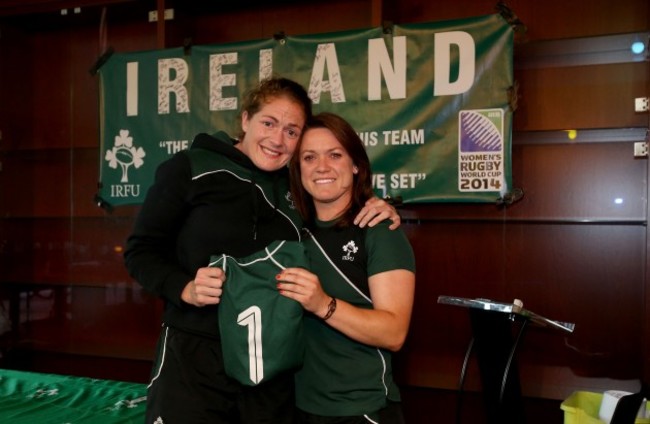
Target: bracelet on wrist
point(330, 309)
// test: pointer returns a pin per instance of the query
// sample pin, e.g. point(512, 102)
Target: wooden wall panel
point(36, 183)
point(581, 182)
point(550, 19)
point(63, 251)
point(51, 107)
point(83, 86)
point(16, 71)
point(581, 97)
point(84, 181)
point(263, 22)
point(116, 321)
point(555, 19)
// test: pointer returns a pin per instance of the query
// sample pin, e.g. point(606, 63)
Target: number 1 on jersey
point(252, 318)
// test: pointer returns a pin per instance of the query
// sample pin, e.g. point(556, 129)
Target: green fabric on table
point(27, 397)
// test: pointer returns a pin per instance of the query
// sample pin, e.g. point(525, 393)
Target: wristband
point(330, 309)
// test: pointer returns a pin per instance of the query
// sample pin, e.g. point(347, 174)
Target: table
point(495, 345)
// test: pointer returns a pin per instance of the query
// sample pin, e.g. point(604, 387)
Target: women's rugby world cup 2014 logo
point(481, 153)
point(124, 154)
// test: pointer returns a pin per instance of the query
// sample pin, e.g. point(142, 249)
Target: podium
point(497, 331)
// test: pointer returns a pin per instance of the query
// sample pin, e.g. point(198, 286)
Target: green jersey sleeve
point(388, 249)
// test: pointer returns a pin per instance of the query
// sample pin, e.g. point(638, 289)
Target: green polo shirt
point(342, 377)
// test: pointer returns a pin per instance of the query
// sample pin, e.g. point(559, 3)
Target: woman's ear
point(355, 170)
point(244, 121)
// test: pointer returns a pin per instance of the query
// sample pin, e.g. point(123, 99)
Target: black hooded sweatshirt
point(208, 200)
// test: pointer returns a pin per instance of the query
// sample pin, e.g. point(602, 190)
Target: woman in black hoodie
point(222, 196)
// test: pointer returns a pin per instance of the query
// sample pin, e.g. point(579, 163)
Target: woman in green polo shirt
point(359, 289)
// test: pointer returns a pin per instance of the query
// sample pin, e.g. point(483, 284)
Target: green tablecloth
point(33, 398)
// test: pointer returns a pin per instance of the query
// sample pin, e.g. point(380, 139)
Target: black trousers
point(391, 414)
point(189, 386)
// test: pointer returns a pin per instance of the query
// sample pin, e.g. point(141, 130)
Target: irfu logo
point(350, 249)
point(124, 154)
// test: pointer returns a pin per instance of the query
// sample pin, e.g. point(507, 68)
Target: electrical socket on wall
point(641, 149)
point(641, 104)
point(153, 15)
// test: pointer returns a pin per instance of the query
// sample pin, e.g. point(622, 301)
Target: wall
point(565, 248)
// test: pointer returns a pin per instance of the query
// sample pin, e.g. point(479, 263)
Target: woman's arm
point(150, 254)
point(385, 326)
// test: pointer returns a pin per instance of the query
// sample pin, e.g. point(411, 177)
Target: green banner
point(429, 100)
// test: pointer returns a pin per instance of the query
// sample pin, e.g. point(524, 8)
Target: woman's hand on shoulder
point(375, 211)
